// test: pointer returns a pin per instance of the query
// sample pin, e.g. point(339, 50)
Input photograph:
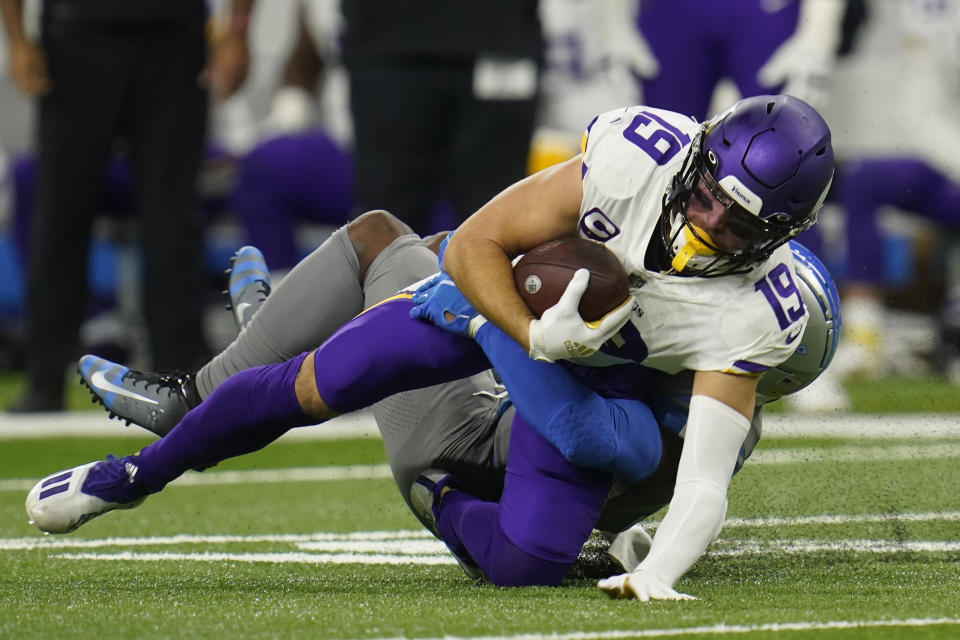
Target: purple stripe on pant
point(546, 513)
point(384, 351)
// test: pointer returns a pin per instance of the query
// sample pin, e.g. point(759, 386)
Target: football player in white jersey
point(754, 178)
point(698, 215)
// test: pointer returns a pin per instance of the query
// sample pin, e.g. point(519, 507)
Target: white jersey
point(741, 323)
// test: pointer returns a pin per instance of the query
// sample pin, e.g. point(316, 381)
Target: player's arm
point(539, 208)
point(28, 67)
point(720, 412)
point(615, 435)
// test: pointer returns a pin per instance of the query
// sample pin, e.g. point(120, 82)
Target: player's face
point(707, 212)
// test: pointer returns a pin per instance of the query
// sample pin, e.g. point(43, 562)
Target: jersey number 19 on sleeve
point(781, 291)
point(658, 138)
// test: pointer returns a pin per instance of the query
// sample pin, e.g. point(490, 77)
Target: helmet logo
point(746, 198)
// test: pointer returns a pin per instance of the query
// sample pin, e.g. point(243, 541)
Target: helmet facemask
point(691, 248)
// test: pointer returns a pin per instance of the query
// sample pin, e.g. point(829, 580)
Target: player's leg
point(489, 138)
point(75, 125)
point(751, 38)
point(680, 35)
point(321, 294)
point(317, 297)
point(244, 414)
point(535, 532)
point(167, 147)
point(397, 167)
point(286, 180)
point(863, 188)
point(377, 354)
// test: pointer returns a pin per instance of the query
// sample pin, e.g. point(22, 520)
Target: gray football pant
point(453, 426)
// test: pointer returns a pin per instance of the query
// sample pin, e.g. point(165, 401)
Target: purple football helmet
point(769, 162)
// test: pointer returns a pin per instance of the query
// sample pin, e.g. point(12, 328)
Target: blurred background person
point(760, 46)
point(297, 167)
point(443, 97)
point(896, 127)
point(103, 71)
point(591, 52)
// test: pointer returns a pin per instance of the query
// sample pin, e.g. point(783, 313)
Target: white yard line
point(395, 539)
point(271, 558)
point(57, 542)
point(418, 542)
point(718, 629)
point(96, 424)
point(726, 548)
point(361, 424)
point(853, 453)
point(775, 521)
point(434, 552)
point(258, 476)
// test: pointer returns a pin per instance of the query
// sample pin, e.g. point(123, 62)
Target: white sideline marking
point(272, 558)
point(854, 425)
point(434, 552)
point(853, 453)
point(616, 634)
point(262, 476)
point(361, 424)
point(775, 521)
point(752, 548)
point(50, 542)
point(414, 536)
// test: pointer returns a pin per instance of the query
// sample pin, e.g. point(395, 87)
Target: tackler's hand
point(642, 584)
point(802, 64)
point(562, 333)
point(439, 301)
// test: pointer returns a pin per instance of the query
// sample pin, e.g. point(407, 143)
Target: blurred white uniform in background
point(897, 92)
point(896, 128)
point(591, 45)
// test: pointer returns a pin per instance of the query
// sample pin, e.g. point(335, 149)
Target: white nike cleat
point(154, 401)
point(61, 502)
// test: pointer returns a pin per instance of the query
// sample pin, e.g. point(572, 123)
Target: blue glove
point(443, 247)
point(439, 301)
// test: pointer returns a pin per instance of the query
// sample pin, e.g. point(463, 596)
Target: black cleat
point(154, 401)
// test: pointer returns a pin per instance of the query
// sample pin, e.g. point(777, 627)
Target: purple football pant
point(384, 351)
point(545, 514)
point(290, 179)
point(698, 42)
point(906, 183)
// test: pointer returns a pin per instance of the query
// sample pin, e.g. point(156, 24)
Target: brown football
point(543, 273)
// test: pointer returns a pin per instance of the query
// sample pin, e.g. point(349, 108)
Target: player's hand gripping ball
point(543, 273)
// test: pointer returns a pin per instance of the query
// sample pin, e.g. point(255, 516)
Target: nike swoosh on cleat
point(243, 306)
point(99, 379)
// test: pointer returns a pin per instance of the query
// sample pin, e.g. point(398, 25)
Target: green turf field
point(826, 538)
